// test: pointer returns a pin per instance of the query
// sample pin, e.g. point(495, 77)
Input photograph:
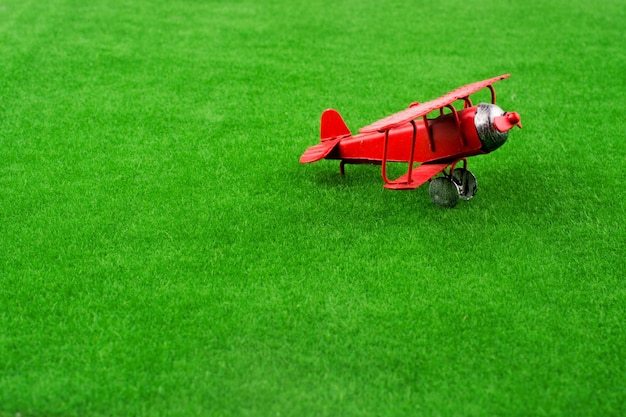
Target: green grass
point(162, 252)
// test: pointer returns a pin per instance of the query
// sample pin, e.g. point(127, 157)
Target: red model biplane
point(438, 144)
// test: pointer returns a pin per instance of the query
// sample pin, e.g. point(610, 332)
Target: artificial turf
point(162, 252)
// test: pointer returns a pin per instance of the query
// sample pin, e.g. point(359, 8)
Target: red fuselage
point(437, 139)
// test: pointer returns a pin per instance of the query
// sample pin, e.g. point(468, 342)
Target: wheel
point(465, 182)
point(443, 192)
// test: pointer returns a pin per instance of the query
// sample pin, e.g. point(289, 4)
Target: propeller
point(507, 122)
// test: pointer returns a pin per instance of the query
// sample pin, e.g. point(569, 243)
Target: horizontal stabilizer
point(319, 151)
point(419, 176)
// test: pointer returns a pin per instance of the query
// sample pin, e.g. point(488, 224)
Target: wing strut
point(411, 158)
point(384, 164)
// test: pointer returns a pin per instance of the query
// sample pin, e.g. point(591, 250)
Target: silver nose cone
point(490, 137)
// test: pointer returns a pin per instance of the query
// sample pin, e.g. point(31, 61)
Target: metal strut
point(431, 142)
point(384, 162)
point(344, 162)
point(410, 171)
point(458, 123)
point(493, 94)
point(453, 166)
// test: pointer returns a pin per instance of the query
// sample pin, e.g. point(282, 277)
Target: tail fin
point(332, 125)
point(332, 130)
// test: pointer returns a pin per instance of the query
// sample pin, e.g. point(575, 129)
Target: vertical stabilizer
point(333, 126)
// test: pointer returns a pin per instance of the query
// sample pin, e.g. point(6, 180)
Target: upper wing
point(422, 109)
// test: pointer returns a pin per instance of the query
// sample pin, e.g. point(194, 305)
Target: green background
point(163, 253)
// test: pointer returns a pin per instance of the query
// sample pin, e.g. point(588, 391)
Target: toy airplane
point(409, 136)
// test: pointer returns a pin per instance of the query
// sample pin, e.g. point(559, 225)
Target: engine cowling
point(493, 125)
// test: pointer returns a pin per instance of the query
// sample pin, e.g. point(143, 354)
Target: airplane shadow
point(511, 188)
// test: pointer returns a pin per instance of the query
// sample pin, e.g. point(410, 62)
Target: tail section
point(332, 130)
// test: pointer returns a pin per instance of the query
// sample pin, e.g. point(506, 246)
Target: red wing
point(419, 176)
point(423, 109)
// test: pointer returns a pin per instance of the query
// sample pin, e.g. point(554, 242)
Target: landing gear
point(457, 184)
point(465, 182)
